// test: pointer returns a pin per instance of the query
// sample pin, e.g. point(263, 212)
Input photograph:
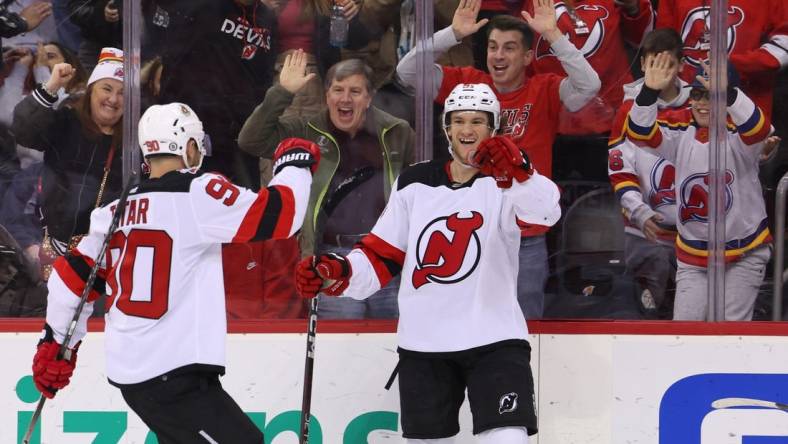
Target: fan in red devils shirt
point(757, 40)
point(600, 29)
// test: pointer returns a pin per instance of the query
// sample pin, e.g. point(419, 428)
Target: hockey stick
point(64, 352)
point(725, 403)
point(306, 401)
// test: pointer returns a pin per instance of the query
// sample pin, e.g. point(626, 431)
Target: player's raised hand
point(51, 374)
point(336, 271)
point(296, 152)
point(659, 71)
point(62, 73)
point(464, 21)
point(499, 157)
point(293, 76)
point(544, 20)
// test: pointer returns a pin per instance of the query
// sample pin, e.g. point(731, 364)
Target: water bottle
point(339, 26)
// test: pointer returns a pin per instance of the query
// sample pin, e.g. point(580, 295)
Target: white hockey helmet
point(167, 129)
point(471, 97)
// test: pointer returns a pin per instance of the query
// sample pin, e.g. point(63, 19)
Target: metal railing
point(779, 250)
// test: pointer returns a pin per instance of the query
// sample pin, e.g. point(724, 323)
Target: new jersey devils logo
point(696, 40)
point(588, 43)
point(514, 121)
point(508, 403)
point(446, 259)
point(663, 190)
point(694, 197)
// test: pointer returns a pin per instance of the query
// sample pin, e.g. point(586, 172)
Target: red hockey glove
point(307, 281)
point(336, 270)
point(296, 152)
point(499, 157)
point(51, 374)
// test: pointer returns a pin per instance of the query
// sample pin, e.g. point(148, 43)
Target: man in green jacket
point(363, 151)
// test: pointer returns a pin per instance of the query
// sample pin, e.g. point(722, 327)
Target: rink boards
point(597, 383)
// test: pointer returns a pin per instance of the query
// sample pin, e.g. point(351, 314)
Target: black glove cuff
point(733, 94)
point(297, 157)
point(647, 96)
point(342, 261)
point(48, 335)
point(526, 162)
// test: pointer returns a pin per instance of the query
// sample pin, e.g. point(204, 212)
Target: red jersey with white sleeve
point(164, 268)
point(642, 181)
point(680, 140)
point(456, 246)
point(757, 40)
point(599, 29)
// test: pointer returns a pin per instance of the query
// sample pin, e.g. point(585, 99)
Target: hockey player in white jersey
point(682, 138)
point(451, 229)
point(166, 323)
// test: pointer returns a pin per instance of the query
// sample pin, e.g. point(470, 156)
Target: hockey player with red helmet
point(166, 323)
point(451, 229)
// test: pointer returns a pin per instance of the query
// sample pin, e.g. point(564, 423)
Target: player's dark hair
point(660, 40)
point(509, 23)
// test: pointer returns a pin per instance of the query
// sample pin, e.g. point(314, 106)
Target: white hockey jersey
point(680, 140)
point(164, 268)
point(642, 181)
point(457, 250)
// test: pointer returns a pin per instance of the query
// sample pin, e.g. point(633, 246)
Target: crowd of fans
point(570, 78)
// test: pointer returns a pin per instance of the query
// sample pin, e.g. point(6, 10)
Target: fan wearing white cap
point(173, 135)
point(104, 95)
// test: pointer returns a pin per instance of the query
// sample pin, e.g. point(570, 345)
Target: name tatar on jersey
point(135, 212)
point(448, 249)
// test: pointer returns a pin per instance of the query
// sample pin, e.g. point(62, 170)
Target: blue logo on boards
point(725, 408)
